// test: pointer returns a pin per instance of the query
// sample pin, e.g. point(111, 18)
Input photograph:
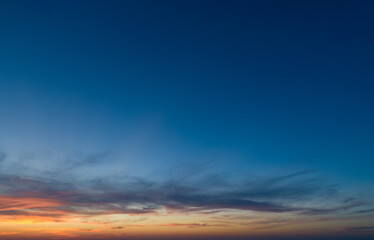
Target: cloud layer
point(52, 199)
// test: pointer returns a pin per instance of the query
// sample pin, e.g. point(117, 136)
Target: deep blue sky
point(273, 81)
point(251, 87)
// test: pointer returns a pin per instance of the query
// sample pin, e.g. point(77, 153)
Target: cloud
point(192, 225)
point(45, 198)
point(347, 204)
point(85, 160)
point(365, 211)
point(50, 197)
point(366, 229)
point(2, 156)
point(117, 228)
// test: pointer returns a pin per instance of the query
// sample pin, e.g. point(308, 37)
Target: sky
point(186, 119)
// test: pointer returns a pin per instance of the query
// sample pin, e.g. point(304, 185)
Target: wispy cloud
point(52, 196)
point(117, 228)
point(365, 229)
point(371, 210)
point(45, 198)
point(2, 156)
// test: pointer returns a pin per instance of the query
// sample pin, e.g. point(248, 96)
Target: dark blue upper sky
point(255, 85)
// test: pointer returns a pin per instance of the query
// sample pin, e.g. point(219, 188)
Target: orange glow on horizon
point(35, 217)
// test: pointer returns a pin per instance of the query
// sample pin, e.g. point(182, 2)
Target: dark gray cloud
point(365, 229)
point(117, 228)
point(371, 210)
point(345, 205)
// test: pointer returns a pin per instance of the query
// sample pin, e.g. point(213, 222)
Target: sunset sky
point(182, 119)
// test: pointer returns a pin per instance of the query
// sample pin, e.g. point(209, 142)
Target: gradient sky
point(186, 119)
